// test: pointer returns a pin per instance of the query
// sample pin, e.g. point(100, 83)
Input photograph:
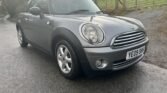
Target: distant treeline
point(13, 7)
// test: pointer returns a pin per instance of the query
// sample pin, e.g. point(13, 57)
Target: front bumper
point(116, 58)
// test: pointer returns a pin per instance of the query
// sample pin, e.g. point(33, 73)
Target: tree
point(120, 2)
point(13, 7)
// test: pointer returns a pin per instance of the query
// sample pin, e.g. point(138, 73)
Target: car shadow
point(124, 81)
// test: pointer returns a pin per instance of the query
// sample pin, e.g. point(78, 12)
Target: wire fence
point(111, 5)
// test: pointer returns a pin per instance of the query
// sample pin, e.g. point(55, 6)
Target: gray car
point(81, 37)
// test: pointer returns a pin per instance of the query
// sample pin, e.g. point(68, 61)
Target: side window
point(30, 4)
point(43, 5)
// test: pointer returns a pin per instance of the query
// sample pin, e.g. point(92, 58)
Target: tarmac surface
point(28, 70)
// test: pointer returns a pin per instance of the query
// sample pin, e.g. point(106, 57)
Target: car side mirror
point(36, 11)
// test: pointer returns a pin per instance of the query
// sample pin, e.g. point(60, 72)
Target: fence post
point(136, 4)
point(124, 5)
point(116, 4)
point(153, 3)
point(122, 2)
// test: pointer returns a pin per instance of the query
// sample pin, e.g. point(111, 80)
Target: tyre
point(67, 60)
point(21, 39)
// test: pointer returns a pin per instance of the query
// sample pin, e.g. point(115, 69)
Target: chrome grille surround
point(128, 38)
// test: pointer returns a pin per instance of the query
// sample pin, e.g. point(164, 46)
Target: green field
point(110, 4)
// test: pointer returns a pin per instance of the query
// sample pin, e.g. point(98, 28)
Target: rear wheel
point(67, 60)
point(21, 39)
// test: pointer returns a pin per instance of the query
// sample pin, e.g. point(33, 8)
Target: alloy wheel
point(64, 59)
point(20, 36)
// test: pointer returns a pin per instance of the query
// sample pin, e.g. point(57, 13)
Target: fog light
point(101, 64)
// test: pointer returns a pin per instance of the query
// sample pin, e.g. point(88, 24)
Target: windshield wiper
point(79, 11)
point(99, 12)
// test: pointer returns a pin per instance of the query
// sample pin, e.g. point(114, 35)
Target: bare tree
point(13, 7)
point(120, 2)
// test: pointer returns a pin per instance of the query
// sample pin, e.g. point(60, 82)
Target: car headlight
point(92, 33)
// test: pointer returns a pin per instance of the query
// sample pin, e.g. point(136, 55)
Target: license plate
point(135, 53)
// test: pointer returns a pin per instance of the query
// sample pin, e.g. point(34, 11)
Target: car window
point(42, 4)
point(31, 3)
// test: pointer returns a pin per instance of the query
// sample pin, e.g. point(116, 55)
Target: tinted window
point(42, 4)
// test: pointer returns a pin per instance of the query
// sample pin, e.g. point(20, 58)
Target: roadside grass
point(110, 4)
point(158, 37)
point(155, 21)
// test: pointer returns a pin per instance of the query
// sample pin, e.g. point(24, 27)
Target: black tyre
point(67, 60)
point(21, 38)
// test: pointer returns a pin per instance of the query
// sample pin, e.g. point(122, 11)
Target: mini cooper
point(81, 37)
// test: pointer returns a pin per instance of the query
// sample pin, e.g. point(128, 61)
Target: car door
point(26, 25)
point(27, 21)
point(41, 28)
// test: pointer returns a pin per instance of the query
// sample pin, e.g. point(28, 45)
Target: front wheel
point(21, 38)
point(67, 60)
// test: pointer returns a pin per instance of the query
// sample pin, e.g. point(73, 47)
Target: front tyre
point(67, 60)
point(21, 39)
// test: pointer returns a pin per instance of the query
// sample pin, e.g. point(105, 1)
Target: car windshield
point(73, 6)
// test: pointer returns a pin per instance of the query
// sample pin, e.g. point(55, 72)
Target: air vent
point(128, 38)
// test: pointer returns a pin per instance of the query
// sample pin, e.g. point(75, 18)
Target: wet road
point(31, 71)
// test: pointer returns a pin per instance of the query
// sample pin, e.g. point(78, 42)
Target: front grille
point(128, 38)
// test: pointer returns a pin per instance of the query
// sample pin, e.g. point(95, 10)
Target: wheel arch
point(17, 26)
point(63, 33)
